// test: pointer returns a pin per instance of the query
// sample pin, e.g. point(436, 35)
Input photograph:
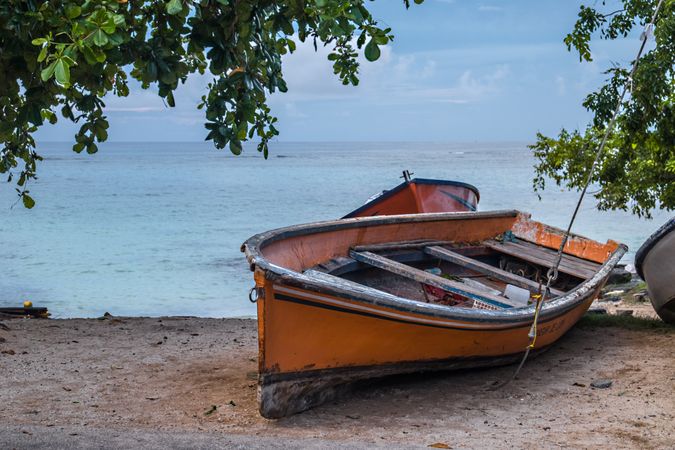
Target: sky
point(458, 70)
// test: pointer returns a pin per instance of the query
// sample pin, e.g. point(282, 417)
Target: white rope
point(552, 274)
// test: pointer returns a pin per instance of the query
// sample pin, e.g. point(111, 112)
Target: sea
point(153, 229)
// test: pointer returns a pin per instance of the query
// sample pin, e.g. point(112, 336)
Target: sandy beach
point(191, 383)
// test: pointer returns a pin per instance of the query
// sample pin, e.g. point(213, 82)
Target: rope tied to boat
point(552, 273)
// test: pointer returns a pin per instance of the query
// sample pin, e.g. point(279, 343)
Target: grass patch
point(640, 287)
point(626, 322)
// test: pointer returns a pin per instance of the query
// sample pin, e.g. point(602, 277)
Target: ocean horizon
point(154, 228)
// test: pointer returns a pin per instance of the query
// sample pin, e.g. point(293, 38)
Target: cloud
point(393, 79)
point(145, 105)
point(453, 76)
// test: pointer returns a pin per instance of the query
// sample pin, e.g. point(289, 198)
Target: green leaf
point(48, 115)
point(89, 55)
point(100, 38)
point(100, 56)
point(170, 99)
point(118, 19)
point(115, 39)
point(39, 41)
point(62, 72)
point(28, 201)
point(361, 40)
point(101, 134)
point(43, 54)
point(34, 114)
point(109, 26)
point(235, 147)
point(241, 133)
point(48, 71)
point(73, 11)
point(68, 60)
point(372, 51)
point(92, 148)
point(174, 7)
point(382, 40)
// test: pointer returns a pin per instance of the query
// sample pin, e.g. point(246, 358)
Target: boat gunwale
point(555, 307)
point(389, 192)
point(650, 243)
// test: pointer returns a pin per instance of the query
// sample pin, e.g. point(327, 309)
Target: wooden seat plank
point(348, 284)
point(403, 245)
point(567, 258)
point(486, 269)
point(433, 280)
point(541, 258)
point(568, 261)
point(569, 264)
point(335, 265)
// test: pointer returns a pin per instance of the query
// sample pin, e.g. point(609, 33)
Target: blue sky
point(458, 70)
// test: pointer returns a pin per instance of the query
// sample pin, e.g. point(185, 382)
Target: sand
point(190, 382)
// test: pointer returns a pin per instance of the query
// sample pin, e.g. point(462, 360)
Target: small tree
point(64, 56)
point(637, 170)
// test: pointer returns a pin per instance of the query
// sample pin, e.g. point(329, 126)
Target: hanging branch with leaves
point(637, 171)
point(63, 57)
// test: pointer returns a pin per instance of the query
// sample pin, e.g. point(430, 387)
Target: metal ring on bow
point(552, 274)
point(253, 298)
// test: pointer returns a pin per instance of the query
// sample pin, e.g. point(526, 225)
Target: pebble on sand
point(601, 384)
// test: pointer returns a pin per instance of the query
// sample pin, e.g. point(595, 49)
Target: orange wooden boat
point(420, 195)
point(346, 300)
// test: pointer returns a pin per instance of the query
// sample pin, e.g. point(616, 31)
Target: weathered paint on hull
point(315, 334)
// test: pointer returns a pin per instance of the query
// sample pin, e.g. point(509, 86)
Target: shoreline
point(163, 376)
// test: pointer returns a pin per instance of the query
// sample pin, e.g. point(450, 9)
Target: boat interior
point(502, 272)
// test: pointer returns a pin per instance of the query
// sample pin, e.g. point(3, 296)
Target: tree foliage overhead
point(637, 170)
point(61, 57)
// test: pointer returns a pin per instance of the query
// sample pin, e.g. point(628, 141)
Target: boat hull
point(421, 195)
point(319, 343)
point(655, 262)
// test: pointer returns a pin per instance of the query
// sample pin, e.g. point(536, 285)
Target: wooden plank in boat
point(567, 258)
point(348, 284)
point(534, 253)
point(338, 264)
point(478, 266)
point(433, 280)
point(343, 264)
point(397, 245)
point(569, 264)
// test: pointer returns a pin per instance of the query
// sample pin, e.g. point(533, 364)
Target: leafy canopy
point(637, 170)
point(61, 57)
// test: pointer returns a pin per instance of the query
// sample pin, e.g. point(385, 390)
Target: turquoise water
point(155, 229)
